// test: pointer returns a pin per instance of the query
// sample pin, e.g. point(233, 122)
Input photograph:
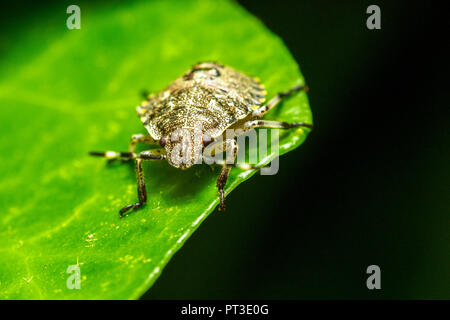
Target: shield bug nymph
point(190, 117)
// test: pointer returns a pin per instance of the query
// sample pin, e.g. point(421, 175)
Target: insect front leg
point(228, 144)
point(261, 111)
point(155, 154)
point(142, 192)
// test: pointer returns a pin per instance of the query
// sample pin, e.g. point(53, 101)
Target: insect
point(191, 116)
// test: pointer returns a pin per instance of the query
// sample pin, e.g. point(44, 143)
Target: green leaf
point(66, 92)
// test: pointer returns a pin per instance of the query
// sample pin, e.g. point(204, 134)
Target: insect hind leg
point(261, 111)
point(274, 124)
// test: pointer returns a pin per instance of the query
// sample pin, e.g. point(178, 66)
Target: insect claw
point(125, 209)
point(129, 207)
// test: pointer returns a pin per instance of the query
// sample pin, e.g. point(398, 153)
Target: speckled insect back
point(190, 117)
point(208, 98)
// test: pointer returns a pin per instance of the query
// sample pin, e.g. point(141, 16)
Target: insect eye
point(206, 140)
point(163, 141)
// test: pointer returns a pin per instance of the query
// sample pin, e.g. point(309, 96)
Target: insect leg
point(226, 168)
point(140, 138)
point(219, 147)
point(274, 124)
point(142, 192)
point(113, 155)
point(243, 166)
point(276, 100)
point(156, 154)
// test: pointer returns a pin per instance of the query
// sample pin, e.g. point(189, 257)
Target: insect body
point(190, 117)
